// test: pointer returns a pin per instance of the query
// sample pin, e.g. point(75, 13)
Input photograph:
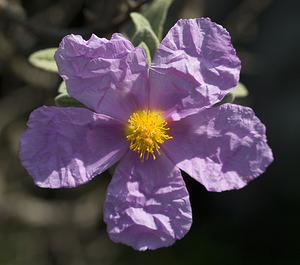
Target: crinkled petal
point(194, 67)
point(223, 147)
point(147, 205)
point(108, 76)
point(66, 147)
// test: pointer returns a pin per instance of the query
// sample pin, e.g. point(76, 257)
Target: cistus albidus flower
point(156, 122)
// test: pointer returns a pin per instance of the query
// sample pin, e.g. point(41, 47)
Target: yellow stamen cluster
point(146, 131)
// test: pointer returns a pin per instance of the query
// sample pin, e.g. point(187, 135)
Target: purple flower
point(156, 122)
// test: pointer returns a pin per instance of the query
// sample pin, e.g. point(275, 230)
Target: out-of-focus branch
point(244, 16)
point(56, 34)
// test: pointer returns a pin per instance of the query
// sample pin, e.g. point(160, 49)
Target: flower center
point(146, 131)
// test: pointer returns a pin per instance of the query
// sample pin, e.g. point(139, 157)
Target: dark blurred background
point(256, 225)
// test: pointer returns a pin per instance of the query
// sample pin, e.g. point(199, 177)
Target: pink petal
point(194, 67)
point(147, 205)
point(223, 147)
point(108, 76)
point(66, 147)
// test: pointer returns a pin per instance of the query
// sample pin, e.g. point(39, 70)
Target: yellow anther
point(146, 130)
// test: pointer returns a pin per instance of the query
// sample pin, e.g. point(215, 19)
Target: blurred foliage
point(255, 225)
point(44, 59)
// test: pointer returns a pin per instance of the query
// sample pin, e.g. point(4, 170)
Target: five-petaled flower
point(156, 121)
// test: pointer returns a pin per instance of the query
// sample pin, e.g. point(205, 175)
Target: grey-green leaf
point(144, 46)
point(147, 36)
point(144, 33)
point(156, 14)
point(139, 21)
point(44, 59)
point(240, 91)
point(229, 98)
point(64, 100)
point(62, 88)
